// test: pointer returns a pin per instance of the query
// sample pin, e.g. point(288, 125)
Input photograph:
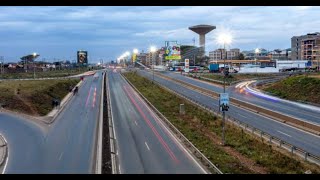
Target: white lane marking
point(61, 156)
point(173, 137)
point(147, 145)
point(284, 124)
point(136, 123)
point(5, 165)
point(242, 115)
point(119, 169)
point(284, 133)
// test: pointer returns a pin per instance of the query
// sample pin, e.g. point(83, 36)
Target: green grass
point(53, 73)
point(196, 124)
point(297, 88)
point(33, 97)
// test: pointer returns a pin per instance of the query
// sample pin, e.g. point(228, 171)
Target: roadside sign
point(186, 65)
point(224, 101)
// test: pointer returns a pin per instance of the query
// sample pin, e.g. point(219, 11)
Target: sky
point(107, 32)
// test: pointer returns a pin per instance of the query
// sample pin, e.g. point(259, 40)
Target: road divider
point(113, 147)
point(293, 121)
point(98, 165)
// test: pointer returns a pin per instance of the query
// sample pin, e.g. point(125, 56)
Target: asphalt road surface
point(144, 144)
point(291, 109)
point(297, 137)
point(65, 146)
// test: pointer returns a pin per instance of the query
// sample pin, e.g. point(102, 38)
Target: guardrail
point(307, 126)
point(204, 160)
point(271, 139)
point(113, 146)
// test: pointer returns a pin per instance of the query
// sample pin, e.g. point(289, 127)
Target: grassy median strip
point(243, 153)
point(33, 97)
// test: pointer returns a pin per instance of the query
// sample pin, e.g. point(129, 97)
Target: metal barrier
point(204, 160)
point(253, 130)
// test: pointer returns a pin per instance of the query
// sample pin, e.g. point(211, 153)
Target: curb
point(66, 101)
point(3, 144)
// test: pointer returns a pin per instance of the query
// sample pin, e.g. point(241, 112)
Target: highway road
point(299, 138)
point(144, 144)
point(65, 146)
point(295, 110)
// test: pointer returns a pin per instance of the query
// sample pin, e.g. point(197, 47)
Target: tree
point(241, 56)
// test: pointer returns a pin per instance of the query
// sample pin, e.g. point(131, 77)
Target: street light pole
point(224, 91)
point(34, 70)
point(153, 50)
point(152, 67)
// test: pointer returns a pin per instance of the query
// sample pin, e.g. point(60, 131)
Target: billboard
point(134, 57)
point(82, 57)
point(172, 51)
point(186, 65)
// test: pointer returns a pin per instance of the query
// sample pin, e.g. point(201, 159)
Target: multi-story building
point(152, 58)
point(142, 57)
point(262, 54)
point(305, 47)
point(220, 54)
point(279, 54)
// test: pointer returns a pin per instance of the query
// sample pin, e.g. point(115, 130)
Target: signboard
point(172, 50)
point(134, 57)
point(186, 65)
point(82, 57)
point(224, 101)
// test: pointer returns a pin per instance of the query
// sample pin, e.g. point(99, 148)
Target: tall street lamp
point(224, 39)
point(257, 51)
point(152, 50)
point(34, 71)
point(134, 55)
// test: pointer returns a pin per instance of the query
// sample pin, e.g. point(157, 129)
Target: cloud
point(129, 27)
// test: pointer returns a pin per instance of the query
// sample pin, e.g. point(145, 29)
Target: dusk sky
point(107, 32)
